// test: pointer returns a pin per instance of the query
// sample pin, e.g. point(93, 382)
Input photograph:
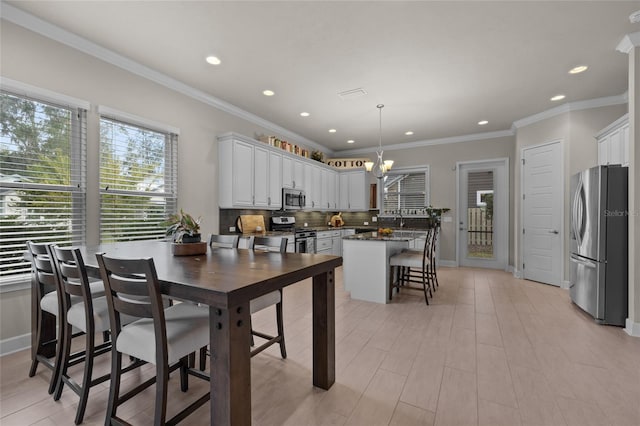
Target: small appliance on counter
point(598, 243)
point(250, 223)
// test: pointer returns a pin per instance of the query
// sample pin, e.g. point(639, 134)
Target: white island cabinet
point(365, 264)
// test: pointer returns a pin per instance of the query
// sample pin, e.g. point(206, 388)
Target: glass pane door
point(480, 202)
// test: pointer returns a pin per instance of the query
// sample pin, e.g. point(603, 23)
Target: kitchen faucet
point(399, 214)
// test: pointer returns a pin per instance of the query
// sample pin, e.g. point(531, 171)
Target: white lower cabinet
point(324, 243)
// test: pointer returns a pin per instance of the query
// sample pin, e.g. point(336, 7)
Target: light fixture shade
point(368, 165)
point(388, 164)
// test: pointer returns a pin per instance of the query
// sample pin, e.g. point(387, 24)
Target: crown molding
point(628, 42)
point(53, 32)
point(571, 106)
point(430, 142)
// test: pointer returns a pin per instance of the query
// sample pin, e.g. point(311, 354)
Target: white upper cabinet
point(252, 175)
point(613, 143)
point(354, 191)
point(292, 173)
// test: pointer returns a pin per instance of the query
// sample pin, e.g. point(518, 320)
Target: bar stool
point(404, 265)
point(163, 337)
point(269, 299)
point(46, 312)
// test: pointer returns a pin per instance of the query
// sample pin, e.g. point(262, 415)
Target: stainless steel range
point(305, 239)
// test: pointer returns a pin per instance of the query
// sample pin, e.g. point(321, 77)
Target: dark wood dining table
point(226, 280)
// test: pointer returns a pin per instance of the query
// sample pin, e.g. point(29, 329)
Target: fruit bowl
point(385, 231)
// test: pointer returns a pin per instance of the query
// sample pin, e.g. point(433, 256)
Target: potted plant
point(185, 230)
point(434, 215)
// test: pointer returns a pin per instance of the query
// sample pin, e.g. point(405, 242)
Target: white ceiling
point(439, 67)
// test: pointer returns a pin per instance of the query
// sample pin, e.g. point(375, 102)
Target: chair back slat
point(224, 241)
point(265, 243)
point(132, 288)
point(41, 267)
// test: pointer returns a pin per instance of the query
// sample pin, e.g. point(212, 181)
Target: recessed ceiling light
point(305, 114)
point(578, 69)
point(332, 130)
point(350, 141)
point(483, 122)
point(409, 133)
point(268, 92)
point(213, 60)
point(558, 97)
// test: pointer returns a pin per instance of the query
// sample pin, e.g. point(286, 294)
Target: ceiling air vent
point(352, 94)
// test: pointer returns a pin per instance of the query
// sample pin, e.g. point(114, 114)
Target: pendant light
point(381, 166)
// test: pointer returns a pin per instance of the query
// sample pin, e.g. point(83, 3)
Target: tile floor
point(490, 350)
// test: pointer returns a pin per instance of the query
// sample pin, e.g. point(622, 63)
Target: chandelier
point(381, 166)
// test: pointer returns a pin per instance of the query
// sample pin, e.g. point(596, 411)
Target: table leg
point(324, 330)
point(230, 365)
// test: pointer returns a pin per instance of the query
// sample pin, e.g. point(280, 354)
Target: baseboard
point(510, 269)
point(15, 344)
point(447, 263)
point(632, 328)
point(565, 284)
point(517, 273)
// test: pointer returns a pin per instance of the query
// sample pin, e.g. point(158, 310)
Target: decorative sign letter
point(347, 163)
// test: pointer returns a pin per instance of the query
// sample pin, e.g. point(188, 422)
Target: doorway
point(483, 213)
point(542, 213)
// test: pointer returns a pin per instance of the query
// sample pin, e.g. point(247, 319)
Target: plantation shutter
point(138, 180)
point(42, 178)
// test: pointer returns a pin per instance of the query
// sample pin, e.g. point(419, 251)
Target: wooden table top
point(221, 277)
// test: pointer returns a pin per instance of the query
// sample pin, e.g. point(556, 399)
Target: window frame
point(171, 135)
point(426, 169)
point(77, 186)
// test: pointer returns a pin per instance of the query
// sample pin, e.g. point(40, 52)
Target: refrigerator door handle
point(578, 213)
point(585, 262)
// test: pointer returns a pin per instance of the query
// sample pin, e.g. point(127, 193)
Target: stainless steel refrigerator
point(598, 243)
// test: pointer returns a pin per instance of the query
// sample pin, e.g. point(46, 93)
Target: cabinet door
point(275, 181)
point(316, 187)
point(328, 190)
point(358, 191)
point(287, 172)
point(624, 136)
point(603, 151)
point(308, 185)
point(298, 174)
point(343, 194)
point(242, 181)
point(615, 148)
point(336, 246)
point(260, 177)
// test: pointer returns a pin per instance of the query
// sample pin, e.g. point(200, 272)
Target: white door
point(260, 177)
point(483, 213)
point(542, 205)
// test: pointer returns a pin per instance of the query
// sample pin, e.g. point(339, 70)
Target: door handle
point(553, 231)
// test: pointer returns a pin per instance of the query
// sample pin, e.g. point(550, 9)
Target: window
point(42, 178)
point(138, 185)
point(406, 192)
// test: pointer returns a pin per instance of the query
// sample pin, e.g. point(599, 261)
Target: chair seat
point(411, 259)
point(76, 316)
point(264, 301)
point(49, 301)
point(187, 331)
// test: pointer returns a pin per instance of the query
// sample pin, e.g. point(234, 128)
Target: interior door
point(483, 214)
point(542, 205)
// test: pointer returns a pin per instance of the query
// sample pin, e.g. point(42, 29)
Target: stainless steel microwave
point(293, 199)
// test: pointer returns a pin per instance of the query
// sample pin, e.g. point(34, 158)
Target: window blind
point(42, 178)
point(138, 181)
point(405, 193)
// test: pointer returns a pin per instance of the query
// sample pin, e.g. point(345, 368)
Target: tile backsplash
point(316, 219)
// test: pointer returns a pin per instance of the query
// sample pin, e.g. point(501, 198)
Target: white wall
point(576, 130)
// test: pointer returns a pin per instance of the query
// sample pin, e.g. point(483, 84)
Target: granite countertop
point(376, 236)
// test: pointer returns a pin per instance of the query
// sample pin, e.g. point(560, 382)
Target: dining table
point(226, 280)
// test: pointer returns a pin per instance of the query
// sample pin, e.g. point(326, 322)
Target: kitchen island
point(365, 262)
